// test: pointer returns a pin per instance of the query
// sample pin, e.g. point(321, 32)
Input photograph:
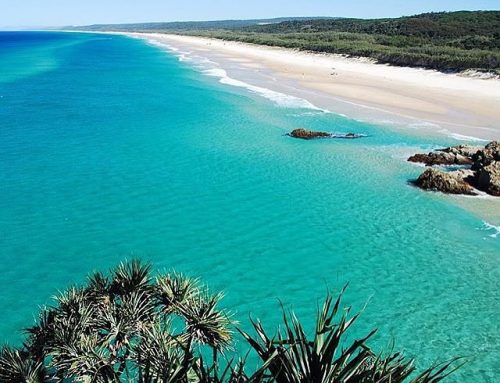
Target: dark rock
point(486, 156)
point(494, 146)
point(463, 150)
point(433, 179)
point(488, 178)
point(308, 134)
point(484, 173)
point(441, 158)
point(349, 135)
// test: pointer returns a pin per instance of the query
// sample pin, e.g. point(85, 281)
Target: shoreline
point(237, 64)
point(452, 105)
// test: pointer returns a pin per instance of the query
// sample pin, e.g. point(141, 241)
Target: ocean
point(112, 148)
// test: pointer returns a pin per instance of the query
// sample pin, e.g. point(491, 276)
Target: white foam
point(181, 55)
point(280, 99)
point(461, 137)
point(184, 57)
point(158, 44)
point(423, 125)
point(311, 113)
point(489, 227)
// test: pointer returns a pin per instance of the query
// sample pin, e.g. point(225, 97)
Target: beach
point(421, 102)
point(125, 148)
point(461, 106)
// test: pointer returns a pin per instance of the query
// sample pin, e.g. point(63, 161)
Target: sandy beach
point(434, 102)
point(425, 101)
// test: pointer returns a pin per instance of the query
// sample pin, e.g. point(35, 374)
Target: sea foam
point(280, 99)
point(491, 228)
point(461, 137)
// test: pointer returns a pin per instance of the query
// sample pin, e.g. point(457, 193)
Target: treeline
point(428, 25)
point(453, 41)
point(395, 51)
point(446, 41)
point(183, 25)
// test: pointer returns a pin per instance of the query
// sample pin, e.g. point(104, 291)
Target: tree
point(121, 327)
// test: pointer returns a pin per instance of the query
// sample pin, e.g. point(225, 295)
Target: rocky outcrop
point(462, 150)
point(484, 173)
point(437, 180)
point(488, 178)
point(486, 156)
point(310, 134)
point(441, 158)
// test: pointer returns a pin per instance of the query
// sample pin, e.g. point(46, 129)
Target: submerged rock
point(310, 134)
point(349, 135)
point(437, 180)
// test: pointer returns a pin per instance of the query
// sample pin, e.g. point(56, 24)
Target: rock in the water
point(486, 156)
point(484, 174)
point(465, 174)
point(488, 178)
point(433, 179)
point(494, 146)
point(441, 158)
point(348, 135)
point(463, 150)
point(308, 134)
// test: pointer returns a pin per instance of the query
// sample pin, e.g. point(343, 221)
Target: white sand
point(359, 88)
point(429, 102)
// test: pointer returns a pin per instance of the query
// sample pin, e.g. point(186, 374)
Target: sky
point(82, 12)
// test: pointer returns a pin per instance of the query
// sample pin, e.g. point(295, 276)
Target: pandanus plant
point(120, 328)
point(129, 326)
point(291, 356)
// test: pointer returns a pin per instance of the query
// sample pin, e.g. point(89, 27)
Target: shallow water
point(118, 150)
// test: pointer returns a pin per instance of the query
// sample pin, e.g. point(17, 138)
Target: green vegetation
point(184, 25)
point(454, 41)
point(444, 41)
point(132, 326)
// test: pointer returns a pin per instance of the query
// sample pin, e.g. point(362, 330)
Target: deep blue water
point(113, 149)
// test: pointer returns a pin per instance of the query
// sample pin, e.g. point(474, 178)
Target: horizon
point(157, 156)
point(31, 14)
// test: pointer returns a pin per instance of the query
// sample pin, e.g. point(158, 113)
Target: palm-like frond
point(160, 359)
point(98, 288)
point(41, 335)
point(121, 322)
point(294, 358)
point(232, 372)
point(439, 372)
point(119, 328)
point(175, 289)
point(129, 277)
point(69, 326)
point(84, 361)
point(205, 323)
point(18, 367)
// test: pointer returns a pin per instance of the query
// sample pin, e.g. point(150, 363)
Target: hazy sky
point(78, 12)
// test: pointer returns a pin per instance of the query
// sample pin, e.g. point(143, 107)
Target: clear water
point(113, 149)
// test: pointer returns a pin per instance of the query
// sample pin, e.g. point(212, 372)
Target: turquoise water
point(113, 149)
